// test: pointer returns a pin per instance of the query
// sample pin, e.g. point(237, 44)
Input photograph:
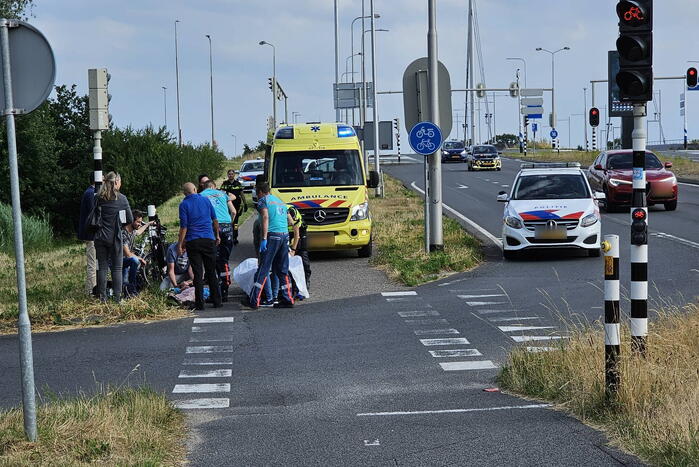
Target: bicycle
point(422, 132)
point(426, 144)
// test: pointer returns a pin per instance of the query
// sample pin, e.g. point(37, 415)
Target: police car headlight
point(514, 222)
point(463, 153)
point(589, 220)
point(360, 212)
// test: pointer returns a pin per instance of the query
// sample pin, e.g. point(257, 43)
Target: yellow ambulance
point(319, 169)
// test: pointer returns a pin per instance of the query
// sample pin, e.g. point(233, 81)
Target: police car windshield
point(484, 150)
point(453, 145)
point(625, 161)
point(317, 168)
point(551, 186)
point(252, 166)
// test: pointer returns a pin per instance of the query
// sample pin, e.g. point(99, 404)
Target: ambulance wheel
point(365, 251)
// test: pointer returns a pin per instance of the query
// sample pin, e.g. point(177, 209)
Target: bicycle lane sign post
point(426, 138)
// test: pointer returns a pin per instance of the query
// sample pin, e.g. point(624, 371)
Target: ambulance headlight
point(360, 212)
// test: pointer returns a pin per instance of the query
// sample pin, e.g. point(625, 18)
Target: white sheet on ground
point(244, 274)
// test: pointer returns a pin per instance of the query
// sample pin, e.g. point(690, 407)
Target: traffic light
point(692, 78)
point(98, 98)
point(635, 47)
point(594, 116)
point(639, 226)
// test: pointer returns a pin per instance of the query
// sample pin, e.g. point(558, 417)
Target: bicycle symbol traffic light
point(634, 13)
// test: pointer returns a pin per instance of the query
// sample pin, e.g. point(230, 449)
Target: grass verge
point(681, 166)
point(36, 231)
point(399, 239)
point(121, 427)
point(656, 412)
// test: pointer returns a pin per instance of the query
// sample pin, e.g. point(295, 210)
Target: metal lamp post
point(274, 83)
point(235, 145)
point(165, 104)
point(553, 83)
point(525, 67)
point(177, 81)
point(211, 88)
point(360, 53)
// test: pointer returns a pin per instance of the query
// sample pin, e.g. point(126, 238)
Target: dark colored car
point(484, 157)
point(454, 151)
point(612, 173)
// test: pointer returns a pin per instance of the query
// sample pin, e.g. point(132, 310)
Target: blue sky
point(134, 39)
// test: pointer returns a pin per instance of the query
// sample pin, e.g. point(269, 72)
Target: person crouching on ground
point(274, 247)
point(199, 235)
point(179, 272)
point(132, 262)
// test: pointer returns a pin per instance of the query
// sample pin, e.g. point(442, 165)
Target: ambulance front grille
point(324, 216)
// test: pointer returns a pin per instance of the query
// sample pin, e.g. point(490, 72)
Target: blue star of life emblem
point(315, 128)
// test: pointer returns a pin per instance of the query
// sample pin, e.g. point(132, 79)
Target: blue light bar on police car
point(344, 131)
point(286, 132)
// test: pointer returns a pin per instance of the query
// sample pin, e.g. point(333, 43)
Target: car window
point(317, 168)
point(453, 145)
point(551, 186)
point(252, 166)
point(625, 161)
point(484, 150)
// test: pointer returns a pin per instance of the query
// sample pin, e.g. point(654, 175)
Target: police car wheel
point(509, 254)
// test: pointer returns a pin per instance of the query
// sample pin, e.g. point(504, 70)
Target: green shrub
point(36, 231)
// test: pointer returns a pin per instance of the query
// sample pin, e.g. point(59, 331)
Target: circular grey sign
point(33, 68)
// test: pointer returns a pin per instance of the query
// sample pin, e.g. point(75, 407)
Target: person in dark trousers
point(225, 212)
point(274, 247)
point(132, 262)
point(86, 204)
point(299, 243)
point(115, 212)
point(233, 187)
point(199, 231)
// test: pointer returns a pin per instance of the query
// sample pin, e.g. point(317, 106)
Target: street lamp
point(177, 80)
point(235, 145)
point(525, 67)
point(553, 83)
point(211, 87)
point(274, 83)
point(373, 66)
point(376, 15)
point(165, 104)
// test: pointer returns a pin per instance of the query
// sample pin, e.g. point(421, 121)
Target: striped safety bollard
point(97, 158)
point(594, 138)
point(612, 337)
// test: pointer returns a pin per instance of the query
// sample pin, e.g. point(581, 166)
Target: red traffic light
point(692, 72)
point(594, 111)
point(692, 77)
point(632, 13)
point(639, 214)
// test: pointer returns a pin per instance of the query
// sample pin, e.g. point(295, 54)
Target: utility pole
point(177, 81)
point(469, 75)
point(435, 161)
point(337, 58)
point(211, 88)
point(377, 162)
point(165, 104)
point(587, 145)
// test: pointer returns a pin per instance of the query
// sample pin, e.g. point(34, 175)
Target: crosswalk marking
point(435, 332)
point(472, 365)
point(485, 303)
point(521, 318)
point(445, 341)
point(213, 320)
point(536, 338)
point(490, 312)
point(205, 329)
point(522, 328)
point(481, 296)
point(206, 373)
point(210, 349)
point(211, 339)
point(426, 321)
point(455, 353)
point(208, 361)
point(417, 314)
point(402, 293)
point(214, 403)
point(204, 387)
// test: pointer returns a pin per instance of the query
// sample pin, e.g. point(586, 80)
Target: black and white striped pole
point(97, 158)
point(526, 133)
point(594, 138)
point(612, 338)
point(98, 78)
point(639, 235)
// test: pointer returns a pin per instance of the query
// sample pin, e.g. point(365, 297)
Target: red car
point(612, 173)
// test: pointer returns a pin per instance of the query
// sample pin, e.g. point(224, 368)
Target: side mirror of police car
point(373, 179)
point(599, 196)
point(502, 197)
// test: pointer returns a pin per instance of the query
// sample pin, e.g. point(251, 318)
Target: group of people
point(207, 234)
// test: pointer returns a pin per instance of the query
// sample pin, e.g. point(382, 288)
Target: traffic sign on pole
point(554, 134)
point(416, 91)
point(531, 92)
point(425, 138)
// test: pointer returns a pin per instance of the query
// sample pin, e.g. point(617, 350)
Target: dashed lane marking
point(485, 303)
point(490, 312)
point(449, 411)
point(198, 329)
point(465, 366)
point(680, 240)
point(210, 349)
point(445, 341)
point(211, 339)
point(208, 361)
point(455, 353)
point(502, 320)
point(206, 373)
point(417, 314)
point(522, 328)
point(203, 388)
point(213, 320)
point(481, 296)
point(402, 293)
point(536, 338)
point(214, 403)
point(435, 332)
point(426, 321)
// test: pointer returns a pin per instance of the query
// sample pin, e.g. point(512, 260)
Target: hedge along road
point(674, 242)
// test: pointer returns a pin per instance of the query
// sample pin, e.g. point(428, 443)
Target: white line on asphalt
point(536, 338)
point(522, 328)
point(202, 404)
point(455, 353)
point(688, 184)
point(465, 366)
point(480, 229)
point(426, 321)
point(206, 373)
point(434, 332)
point(481, 296)
point(540, 349)
point(399, 294)
point(213, 320)
point(447, 411)
point(208, 361)
point(209, 349)
point(211, 339)
point(401, 299)
point(417, 314)
point(204, 387)
point(505, 186)
point(211, 328)
point(453, 282)
point(490, 312)
point(485, 303)
point(500, 320)
point(683, 241)
point(462, 187)
point(445, 341)
point(471, 290)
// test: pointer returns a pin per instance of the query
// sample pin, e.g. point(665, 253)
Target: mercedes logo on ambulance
point(320, 215)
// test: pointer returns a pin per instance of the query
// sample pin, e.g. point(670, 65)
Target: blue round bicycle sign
point(426, 138)
point(554, 134)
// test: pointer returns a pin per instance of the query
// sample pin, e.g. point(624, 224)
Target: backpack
point(93, 223)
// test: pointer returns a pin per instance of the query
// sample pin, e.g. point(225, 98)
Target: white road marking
point(455, 353)
point(206, 373)
point(683, 241)
point(213, 320)
point(401, 299)
point(211, 339)
point(452, 282)
point(536, 338)
point(209, 349)
point(485, 303)
point(522, 328)
point(500, 320)
point(505, 186)
point(694, 270)
point(202, 403)
point(211, 328)
point(204, 387)
point(434, 332)
point(688, 184)
point(480, 229)
point(208, 361)
point(481, 296)
point(447, 411)
point(489, 312)
point(426, 321)
point(445, 341)
point(462, 187)
point(540, 349)
point(399, 294)
point(472, 290)
point(465, 366)
point(417, 314)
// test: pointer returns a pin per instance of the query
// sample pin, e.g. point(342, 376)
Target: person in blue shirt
point(274, 247)
point(225, 212)
point(199, 230)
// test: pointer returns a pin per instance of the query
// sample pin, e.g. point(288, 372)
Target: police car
point(551, 206)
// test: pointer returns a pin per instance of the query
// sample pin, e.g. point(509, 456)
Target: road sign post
point(612, 335)
point(28, 72)
point(426, 139)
